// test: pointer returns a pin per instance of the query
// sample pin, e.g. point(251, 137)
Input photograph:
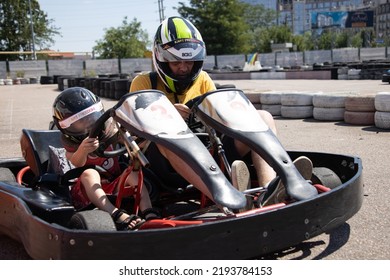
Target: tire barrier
point(62, 81)
point(297, 105)
point(330, 106)
point(46, 80)
point(359, 110)
point(382, 107)
point(98, 87)
point(271, 101)
point(349, 107)
point(254, 99)
point(122, 86)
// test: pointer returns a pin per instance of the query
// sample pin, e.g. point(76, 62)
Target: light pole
point(161, 9)
point(32, 31)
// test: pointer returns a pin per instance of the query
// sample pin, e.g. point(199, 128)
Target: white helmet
point(177, 39)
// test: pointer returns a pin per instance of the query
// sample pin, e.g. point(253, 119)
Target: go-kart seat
point(35, 148)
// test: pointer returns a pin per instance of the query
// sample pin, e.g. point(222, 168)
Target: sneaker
point(240, 175)
point(241, 180)
point(277, 191)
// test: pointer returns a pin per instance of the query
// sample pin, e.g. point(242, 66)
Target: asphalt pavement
point(364, 237)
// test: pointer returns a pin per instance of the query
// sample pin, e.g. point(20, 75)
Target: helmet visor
point(82, 122)
point(182, 49)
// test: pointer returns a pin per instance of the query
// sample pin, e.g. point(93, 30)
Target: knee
point(268, 119)
point(90, 173)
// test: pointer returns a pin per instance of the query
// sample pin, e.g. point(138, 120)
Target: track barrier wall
point(93, 67)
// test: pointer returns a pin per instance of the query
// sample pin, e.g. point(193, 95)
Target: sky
point(83, 22)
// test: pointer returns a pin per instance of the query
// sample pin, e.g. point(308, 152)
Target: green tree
point(126, 41)
point(15, 28)
point(263, 37)
point(221, 23)
point(257, 16)
point(304, 42)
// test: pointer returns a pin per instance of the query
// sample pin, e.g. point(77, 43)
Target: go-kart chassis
point(36, 219)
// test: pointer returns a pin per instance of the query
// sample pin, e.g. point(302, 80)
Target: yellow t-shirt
point(201, 85)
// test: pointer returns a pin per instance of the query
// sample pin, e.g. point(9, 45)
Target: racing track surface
point(364, 237)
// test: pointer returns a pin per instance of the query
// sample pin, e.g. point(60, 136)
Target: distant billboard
point(323, 20)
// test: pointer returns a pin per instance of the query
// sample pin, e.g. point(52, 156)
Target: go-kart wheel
point(97, 130)
point(96, 220)
point(326, 177)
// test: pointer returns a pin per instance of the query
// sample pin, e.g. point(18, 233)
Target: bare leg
point(132, 180)
point(264, 171)
point(90, 180)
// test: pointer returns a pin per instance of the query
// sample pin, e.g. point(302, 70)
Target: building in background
point(310, 15)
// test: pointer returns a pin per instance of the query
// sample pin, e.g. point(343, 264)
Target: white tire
point(328, 114)
point(297, 112)
point(360, 103)
point(382, 101)
point(382, 119)
point(297, 99)
point(342, 77)
point(343, 70)
point(359, 118)
point(331, 100)
point(270, 97)
point(273, 109)
point(354, 72)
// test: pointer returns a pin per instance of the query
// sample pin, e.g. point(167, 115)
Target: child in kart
point(178, 56)
point(75, 110)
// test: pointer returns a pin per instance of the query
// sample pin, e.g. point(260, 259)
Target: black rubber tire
point(326, 177)
point(46, 80)
point(6, 175)
point(95, 220)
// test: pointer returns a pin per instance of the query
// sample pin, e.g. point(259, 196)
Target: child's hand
point(88, 145)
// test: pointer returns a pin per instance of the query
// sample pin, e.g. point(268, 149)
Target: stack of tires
point(354, 74)
point(121, 87)
point(342, 73)
point(254, 98)
point(271, 101)
point(359, 110)
point(330, 106)
point(297, 105)
point(382, 107)
point(46, 80)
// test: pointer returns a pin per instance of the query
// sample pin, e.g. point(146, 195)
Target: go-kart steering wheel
point(97, 129)
point(192, 122)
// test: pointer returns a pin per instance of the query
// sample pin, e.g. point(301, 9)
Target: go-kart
point(36, 209)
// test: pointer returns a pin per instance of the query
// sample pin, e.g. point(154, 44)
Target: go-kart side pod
point(149, 114)
point(231, 113)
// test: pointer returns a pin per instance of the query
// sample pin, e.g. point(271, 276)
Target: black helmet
point(177, 39)
point(75, 111)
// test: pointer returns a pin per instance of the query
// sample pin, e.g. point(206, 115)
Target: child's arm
point(79, 157)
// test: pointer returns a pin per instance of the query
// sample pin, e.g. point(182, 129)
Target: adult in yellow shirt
point(178, 55)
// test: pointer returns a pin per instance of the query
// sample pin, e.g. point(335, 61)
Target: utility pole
point(161, 10)
point(32, 32)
